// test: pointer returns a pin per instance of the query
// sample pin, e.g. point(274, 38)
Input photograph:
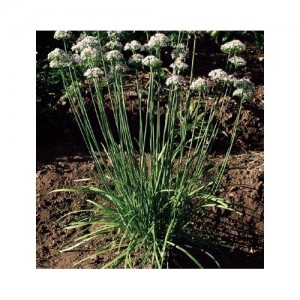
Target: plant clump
point(149, 183)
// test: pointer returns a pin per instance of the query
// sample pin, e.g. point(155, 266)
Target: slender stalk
point(193, 59)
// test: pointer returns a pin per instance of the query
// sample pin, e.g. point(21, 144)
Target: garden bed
point(62, 161)
point(58, 167)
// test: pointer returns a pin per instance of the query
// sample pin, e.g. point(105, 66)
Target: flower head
point(135, 59)
point(133, 46)
point(244, 83)
point(114, 35)
point(179, 65)
point(233, 47)
point(219, 75)
point(241, 93)
point(175, 80)
point(59, 58)
point(87, 41)
point(180, 51)
point(114, 45)
point(62, 34)
point(152, 61)
point(200, 85)
point(245, 89)
point(237, 61)
point(93, 73)
point(89, 52)
point(114, 56)
point(157, 41)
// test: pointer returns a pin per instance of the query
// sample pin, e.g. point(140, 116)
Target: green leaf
point(189, 255)
point(73, 190)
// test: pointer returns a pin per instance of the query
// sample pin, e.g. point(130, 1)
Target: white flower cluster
point(62, 34)
point(114, 56)
point(88, 41)
point(179, 65)
point(244, 83)
point(237, 61)
point(114, 35)
point(245, 89)
point(89, 52)
point(152, 61)
point(175, 80)
point(114, 45)
point(200, 85)
point(59, 58)
point(133, 46)
point(221, 76)
point(180, 51)
point(245, 94)
point(93, 73)
point(157, 41)
point(135, 59)
point(233, 47)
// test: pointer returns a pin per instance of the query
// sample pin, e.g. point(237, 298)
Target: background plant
point(149, 183)
point(224, 36)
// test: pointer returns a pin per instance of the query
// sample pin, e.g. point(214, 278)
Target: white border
point(19, 21)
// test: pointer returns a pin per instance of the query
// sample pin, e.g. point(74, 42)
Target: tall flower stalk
point(148, 184)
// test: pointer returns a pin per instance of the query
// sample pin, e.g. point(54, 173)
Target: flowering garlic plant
point(149, 182)
point(114, 45)
point(200, 85)
point(93, 73)
point(136, 59)
point(89, 53)
point(244, 89)
point(114, 35)
point(180, 52)
point(237, 61)
point(178, 65)
point(86, 42)
point(219, 75)
point(114, 56)
point(234, 47)
point(151, 61)
point(59, 58)
point(133, 46)
point(157, 41)
point(175, 81)
point(62, 34)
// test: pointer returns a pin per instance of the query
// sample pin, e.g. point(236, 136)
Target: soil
point(61, 161)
